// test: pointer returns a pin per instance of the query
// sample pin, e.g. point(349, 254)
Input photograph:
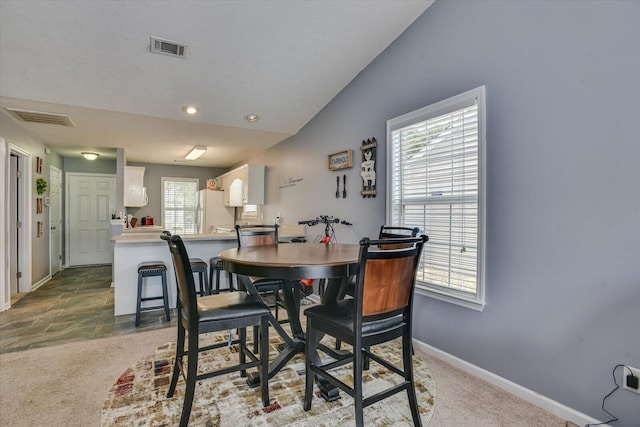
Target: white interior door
point(91, 199)
point(55, 219)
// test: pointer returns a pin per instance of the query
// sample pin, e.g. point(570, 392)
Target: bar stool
point(215, 264)
point(200, 267)
point(150, 269)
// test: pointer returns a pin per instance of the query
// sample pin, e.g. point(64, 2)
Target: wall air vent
point(167, 47)
point(41, 117)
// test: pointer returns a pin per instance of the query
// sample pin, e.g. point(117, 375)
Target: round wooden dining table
point(292, 262)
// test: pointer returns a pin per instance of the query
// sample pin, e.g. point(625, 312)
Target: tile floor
point(75, 305)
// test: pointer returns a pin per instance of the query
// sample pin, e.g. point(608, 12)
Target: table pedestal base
point(287, 352)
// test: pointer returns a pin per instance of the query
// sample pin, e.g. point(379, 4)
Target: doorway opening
point(15, 267)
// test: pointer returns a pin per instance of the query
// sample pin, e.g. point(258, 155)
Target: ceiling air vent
point(42, 117)
point(167, 47)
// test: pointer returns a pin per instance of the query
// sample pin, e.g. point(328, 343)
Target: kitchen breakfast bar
point(129, 250)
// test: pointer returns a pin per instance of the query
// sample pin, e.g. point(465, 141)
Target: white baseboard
point(530, 396)
point(41, 282)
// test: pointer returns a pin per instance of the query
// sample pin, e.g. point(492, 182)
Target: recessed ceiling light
point(190, 109)
point(251, 118)
point(90, 156)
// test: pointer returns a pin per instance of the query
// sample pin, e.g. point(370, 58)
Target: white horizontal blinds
point(179, 197)
point(435, 186)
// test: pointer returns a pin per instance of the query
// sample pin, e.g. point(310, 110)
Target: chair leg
point(139, 302)
point(407, 351)
point(203, 284)
point(365, 360)
point(165, 297)
point(177, 364)
point(256, 340)
point(242, 332)
point(192, 372)
point(309, 376)
point(357, 382)
point(264, 361)
point(217, 280)
point(211, 268)
point(207, 285)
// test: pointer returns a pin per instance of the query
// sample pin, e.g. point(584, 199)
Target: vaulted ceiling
point(282, 60)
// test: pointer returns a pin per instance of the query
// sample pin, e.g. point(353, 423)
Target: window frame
point(165, 179)
point(466, 299)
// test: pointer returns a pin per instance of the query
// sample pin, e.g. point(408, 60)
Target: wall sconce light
point(196, 152)
point(90, 156)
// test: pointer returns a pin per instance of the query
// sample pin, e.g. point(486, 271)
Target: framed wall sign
point(341, 160)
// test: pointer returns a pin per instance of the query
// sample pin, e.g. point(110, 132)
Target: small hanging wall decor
point(341, 160)
point(368, 171)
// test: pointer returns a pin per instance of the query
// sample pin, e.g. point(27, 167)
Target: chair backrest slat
point(388, 285)
point(389, 275)
point(389, 232)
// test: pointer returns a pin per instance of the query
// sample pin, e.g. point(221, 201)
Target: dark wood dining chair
point(213, 313)
point(380, 311)
point(259, 235)
point(386, 232)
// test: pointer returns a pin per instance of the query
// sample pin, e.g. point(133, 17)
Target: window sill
point(462, 300)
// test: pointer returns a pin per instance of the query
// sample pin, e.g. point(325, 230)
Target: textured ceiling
point(282, 60)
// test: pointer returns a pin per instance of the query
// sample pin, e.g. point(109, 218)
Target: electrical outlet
point(626, 370)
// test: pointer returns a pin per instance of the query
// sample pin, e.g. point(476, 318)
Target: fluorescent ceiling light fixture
point(196, 152)
point(251, 118)
point(190, 109)
point(90, 156)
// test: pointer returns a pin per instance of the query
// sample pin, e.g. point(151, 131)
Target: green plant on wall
point(41, 185)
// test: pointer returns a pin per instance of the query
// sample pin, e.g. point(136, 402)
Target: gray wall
point(153, 178)
point(82, 165)
point(14, 134)
point(563, 261)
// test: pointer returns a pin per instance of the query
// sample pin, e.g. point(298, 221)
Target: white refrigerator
point(211, 212)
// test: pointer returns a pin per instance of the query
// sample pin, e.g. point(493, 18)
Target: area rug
point(138, 397)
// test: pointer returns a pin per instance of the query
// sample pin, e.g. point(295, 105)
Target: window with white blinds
point(435, 172)
point(179, 203)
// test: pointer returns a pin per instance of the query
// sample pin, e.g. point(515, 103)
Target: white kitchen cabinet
point(252, 177)
point(135, 193)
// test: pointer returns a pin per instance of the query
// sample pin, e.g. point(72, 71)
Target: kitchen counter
point(130, 249)
point(152, 235)
point(143, 229)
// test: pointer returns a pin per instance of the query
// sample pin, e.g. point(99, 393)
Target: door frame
point(51, 240)
point(67, 215)
point(24, 256)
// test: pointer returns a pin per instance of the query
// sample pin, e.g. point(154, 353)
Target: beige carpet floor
point(66, 385)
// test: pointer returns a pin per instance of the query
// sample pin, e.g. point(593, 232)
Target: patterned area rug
point(138, 398)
